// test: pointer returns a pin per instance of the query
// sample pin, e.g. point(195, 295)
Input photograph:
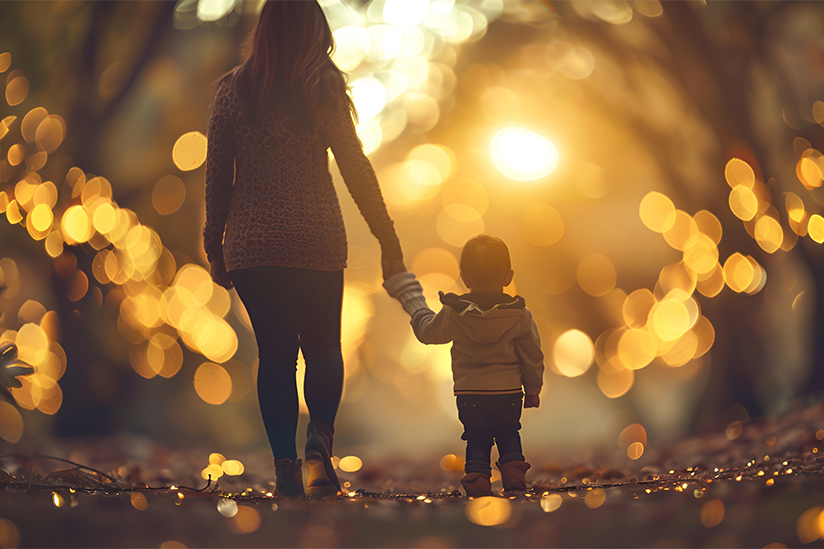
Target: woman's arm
point(360, 179)
point(220, 174)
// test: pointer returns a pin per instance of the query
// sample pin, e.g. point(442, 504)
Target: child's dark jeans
point(489, 419)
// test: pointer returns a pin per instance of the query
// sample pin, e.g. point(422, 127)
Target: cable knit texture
point(270, 200)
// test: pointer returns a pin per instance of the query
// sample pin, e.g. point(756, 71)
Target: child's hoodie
point(495, 343)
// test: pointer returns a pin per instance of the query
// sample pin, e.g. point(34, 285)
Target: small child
point(496, 357)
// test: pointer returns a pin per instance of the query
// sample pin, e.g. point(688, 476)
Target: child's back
point(496, 356)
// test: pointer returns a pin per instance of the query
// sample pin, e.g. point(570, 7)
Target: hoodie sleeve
point(429, 328)
point(528, 350)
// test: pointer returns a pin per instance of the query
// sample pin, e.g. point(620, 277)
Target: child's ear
point(465, 280)
point(508, 278)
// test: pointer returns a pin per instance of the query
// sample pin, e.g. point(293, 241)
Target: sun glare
point(523, 155)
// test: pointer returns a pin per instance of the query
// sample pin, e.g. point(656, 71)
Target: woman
point(274, 228)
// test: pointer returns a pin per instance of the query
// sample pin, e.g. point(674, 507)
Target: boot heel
point(322, 481)
point(318, 485)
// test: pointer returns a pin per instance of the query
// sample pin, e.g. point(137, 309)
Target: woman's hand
point(531, 401)
point(392, 267)
point(220, 275)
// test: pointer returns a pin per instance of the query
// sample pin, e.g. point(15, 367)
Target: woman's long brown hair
point(291, 52)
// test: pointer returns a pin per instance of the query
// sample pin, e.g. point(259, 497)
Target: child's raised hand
point(532, 401)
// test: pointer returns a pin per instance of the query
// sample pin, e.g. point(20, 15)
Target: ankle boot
point(477, 485)
point(323, 481)
point(513, 475)
point(288, 478)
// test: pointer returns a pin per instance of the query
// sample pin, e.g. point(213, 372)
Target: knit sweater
point(270, 200)
point(496, 347)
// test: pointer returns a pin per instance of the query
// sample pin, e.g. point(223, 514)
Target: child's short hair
point(485, 259)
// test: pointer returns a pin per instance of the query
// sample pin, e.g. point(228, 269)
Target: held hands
point(532, 401)
point(220, 275)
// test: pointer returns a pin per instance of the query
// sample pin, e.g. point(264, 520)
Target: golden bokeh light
point(634, 432)
point(709, 225)
point(31, 121)
point(168, 195)
point(656, 211)
point(635, 450)
point(712, 513)
point(670, 319)
point(5, 61)
point(189, 151)
point(76, 225)
point(41, 217)
point(541, 224)
point(50, 133)
point(465, 191)
point(232, 467)
point(369, 97)
point(739, 173)
point(5, 125)
point(551, 502)
point(808, 169)
point(11, 423)
point(636, 348)
point(615, 384)
point(596, 275)
point(9, 532)
point(522, 155)
point(138, 501)
point(675, 276)
point(212, 383)
point(795, 207)
point(451, 462)
point(818, 112)
point(457, 223)
point(573, 353)
point(711, 284)
point(768, 234)
point(810, 525)
point(440, 157)
point(16, 154)
point(488, 511)
point(702, 256)
point(815, 228)
point(246, 521)
point(104, 218)
point(682, 232)
point(13, 214)
point(595, 497)
point(739, 273)
point(636, 307)
point(410, 183)
point(352, 44)
point(743, 203)
point(436, 260)
point(17, 90)
point(350, 464)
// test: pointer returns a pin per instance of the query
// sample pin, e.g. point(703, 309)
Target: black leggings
point(294, 309)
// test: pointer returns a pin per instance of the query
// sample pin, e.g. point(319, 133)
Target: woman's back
point(283, 209)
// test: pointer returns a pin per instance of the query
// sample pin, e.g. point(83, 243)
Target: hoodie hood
point(484, 318)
